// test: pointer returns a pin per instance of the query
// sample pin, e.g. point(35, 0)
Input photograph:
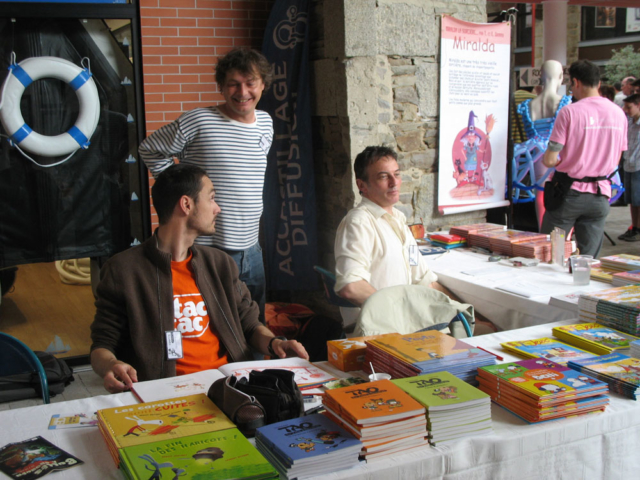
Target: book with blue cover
point(620, 371)
point(309, 445)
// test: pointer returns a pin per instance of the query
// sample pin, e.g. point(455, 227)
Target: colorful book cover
point(313, 438)
point(614, 366)
point(373, 402)
point(594, 337)
point(216, 455)
point(623, 261)
point(548, 348)
point(424, 346)
point(627, 296)
point(163, 420)
point(540, 379)
point(623, 278)
point(441, 391)
point(447, 238)
point(34, 458)
point(59, 422)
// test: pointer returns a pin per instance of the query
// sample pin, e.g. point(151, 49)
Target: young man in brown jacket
point(169, 307)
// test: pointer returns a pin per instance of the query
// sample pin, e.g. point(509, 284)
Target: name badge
point(413, 255)
point(264, 144)
point(174, 344)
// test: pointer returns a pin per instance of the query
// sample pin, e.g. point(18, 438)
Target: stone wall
point(375, 70)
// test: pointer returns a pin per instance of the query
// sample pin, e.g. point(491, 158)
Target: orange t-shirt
point(200, 345)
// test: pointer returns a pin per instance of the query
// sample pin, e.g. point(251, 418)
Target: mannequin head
point(551, 75)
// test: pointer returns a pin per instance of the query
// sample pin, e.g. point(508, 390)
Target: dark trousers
point(587, 213)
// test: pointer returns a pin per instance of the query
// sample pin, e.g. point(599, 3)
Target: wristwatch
point(270, 348)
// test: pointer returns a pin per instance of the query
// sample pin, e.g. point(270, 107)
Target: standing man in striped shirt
point(230, 142)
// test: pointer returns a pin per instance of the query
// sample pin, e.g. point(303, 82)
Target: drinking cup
point(379, 376)
point(581, 268)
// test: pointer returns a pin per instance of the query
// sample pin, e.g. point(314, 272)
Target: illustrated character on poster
point(472, 159)
point(545, 364)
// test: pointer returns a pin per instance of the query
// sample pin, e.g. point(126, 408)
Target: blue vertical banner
point(289, 217)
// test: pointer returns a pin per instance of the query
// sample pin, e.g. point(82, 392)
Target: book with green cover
point(594, 337)
point(442, 391)
point(161, 420)
point(216, 455)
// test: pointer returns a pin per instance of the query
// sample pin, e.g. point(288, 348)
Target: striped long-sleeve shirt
point(233, 154)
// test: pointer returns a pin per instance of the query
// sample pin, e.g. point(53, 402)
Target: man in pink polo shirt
point(587, 140)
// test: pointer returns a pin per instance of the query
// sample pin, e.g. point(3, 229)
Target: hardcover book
point(216, 455)
point(621, 372)
point(539, 381)
point(547, 348)
point(162, 420)
point(373, 402)
point(442, 391)
point(310, 439)
point(594, 337)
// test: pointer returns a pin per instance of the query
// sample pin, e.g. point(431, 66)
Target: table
point(602, 445)
point(507, 310)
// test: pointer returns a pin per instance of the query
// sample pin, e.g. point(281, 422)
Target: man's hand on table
point(120, 377)
point(289, 348)
point(117, 376)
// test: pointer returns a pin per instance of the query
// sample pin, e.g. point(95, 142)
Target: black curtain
point(81, 207)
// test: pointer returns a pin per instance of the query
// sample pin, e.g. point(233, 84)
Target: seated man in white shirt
point(374, 248)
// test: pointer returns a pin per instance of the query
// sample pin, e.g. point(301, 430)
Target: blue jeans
point(251, 269)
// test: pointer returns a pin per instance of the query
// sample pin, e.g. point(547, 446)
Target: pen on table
point(485, 350)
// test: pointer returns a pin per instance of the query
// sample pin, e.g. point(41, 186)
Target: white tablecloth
point(604, 445)
point(507, 310)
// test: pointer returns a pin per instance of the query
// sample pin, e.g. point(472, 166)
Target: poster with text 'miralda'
point(474, 115)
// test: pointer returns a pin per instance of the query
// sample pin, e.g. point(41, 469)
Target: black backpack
point(27, 385)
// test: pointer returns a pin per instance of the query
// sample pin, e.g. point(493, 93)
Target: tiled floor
point(88, 384)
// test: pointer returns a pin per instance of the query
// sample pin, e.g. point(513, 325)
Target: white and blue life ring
point(20, 77)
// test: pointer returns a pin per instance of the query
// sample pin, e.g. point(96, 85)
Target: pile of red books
point(540, 249)
point(465, 230)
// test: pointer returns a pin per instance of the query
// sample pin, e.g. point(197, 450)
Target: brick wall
point(181, 42)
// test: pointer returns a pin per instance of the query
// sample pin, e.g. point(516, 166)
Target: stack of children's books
point(594, 338)
point(425, 352)
point(548, 349)
point(465, 230)
point(455, 409)
point(504, 242)
point(620, 371)
point(540, 249)
point(622, 262)
point(381, 415)
point(308, 446)
point(537, 390)
point(161, 420)
point(216, 455)
point(602, 274)
point(625, 278)
point(617, 307)
point(447, 240)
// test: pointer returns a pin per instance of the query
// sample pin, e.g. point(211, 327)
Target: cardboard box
point(348, 354)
